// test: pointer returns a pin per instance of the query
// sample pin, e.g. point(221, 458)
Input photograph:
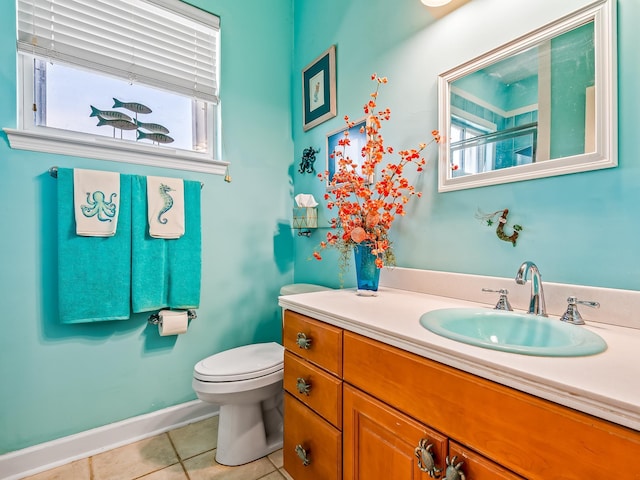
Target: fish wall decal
point(117, 123)
point(154, 127)
point(109, 114)
point(133, 106)
point(156, 137)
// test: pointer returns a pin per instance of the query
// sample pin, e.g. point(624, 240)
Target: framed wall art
point(319, 90)
point(358, 140)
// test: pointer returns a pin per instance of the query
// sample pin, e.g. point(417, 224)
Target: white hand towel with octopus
point(96, 202)
point(165, 207)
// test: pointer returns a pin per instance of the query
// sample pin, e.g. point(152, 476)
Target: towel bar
point(154, 318)
point(53, 171)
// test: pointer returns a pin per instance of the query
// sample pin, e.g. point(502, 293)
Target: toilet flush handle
point(303, 341)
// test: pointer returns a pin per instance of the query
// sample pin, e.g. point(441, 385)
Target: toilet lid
point(241, 363)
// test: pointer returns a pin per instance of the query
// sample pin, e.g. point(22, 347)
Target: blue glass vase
point(367, 273)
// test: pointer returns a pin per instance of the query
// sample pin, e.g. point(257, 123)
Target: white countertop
point(606, 385)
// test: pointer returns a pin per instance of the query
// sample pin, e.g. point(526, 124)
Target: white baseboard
point(38, 458)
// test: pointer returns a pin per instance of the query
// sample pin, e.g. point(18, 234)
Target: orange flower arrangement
point(367, 209)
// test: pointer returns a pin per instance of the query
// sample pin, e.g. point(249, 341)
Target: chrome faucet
point(536, 304)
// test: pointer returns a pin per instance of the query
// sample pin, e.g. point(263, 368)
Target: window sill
point(104, 148)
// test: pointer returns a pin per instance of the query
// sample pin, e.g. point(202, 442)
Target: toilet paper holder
point(154, 318)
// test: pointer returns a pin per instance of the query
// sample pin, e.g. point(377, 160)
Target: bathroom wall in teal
point(57, 379)
point(580, 228)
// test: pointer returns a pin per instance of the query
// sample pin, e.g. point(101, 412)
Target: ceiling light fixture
point(435, 3)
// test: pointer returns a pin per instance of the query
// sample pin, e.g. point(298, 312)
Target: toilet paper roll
point(172, 323)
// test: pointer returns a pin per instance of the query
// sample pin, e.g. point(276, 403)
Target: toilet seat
point(241, 363)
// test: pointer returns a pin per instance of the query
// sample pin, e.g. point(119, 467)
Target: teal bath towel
point(149, 262)
point(165, 272)
point(185, 254)
point(94, 273)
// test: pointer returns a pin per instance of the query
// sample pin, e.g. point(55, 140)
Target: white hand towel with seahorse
point(165, 199)
point(96, 202)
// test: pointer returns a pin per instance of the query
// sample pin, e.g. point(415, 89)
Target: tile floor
point(186, 453)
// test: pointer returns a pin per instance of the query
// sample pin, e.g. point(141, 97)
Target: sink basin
point(513, 332)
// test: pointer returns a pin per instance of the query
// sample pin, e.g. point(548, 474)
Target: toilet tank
point(294, 288)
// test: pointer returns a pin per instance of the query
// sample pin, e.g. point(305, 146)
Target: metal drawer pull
point(303, 341)
point(303, 387)
point(426, 460)
point(453, 471)
point(303, 455)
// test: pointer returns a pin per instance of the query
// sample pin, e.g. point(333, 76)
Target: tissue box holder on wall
point(304, 219)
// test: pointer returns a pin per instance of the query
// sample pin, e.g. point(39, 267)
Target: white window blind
point(161, 43)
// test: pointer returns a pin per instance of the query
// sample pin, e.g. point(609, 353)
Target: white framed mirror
point(544, 104)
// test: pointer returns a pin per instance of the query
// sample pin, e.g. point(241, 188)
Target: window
point(124, 80)
point(472, 158)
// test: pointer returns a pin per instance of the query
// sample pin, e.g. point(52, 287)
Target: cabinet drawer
point(321, 441)
point(324, 341)
point(324, 391)
point(530, 436)
point(477, 467)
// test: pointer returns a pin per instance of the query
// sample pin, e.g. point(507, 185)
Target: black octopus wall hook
point(490, 219)
point(308, 159)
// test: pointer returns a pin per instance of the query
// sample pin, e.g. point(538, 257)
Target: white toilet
point(247, 384)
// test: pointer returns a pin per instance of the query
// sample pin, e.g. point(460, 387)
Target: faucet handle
point(503, 301)
point(572, 315)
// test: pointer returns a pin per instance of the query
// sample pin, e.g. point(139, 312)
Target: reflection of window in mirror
point(539, 93)
point(501, 103)
point(471, 159)
point(541, 105)
point(532, 106)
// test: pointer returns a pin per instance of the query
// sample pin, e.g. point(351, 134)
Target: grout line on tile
point(270, 473)
point(180, 460)
point(166, 466)
point(266, 475)
point(184, 469)
point(155, 471)
point(91, 474)
point(173, 445)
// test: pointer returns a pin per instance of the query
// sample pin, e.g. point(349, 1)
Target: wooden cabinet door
point(379, 442)
point(476, 467)
point(532, 437)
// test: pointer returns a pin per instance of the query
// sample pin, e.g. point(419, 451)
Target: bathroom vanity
point(370, 394)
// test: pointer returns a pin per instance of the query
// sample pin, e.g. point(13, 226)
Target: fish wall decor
point(156, 137)
point(117, 123)
point(153, 127)
point(132, 106)
point(156, 133)
point(109, 114)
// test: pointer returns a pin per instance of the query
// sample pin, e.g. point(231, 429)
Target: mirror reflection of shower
point(501, 115)
point(528, 109)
